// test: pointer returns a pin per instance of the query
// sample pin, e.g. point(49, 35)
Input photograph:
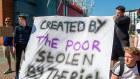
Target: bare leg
point(9, 61)
point(112, 64)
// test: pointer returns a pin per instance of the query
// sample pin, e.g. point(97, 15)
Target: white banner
point(69, 48)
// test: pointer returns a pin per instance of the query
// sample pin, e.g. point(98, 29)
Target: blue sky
point(107, 7)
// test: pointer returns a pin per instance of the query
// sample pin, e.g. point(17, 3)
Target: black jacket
point(21, 35)
point(121, 36)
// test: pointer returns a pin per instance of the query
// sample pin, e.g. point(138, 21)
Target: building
point(134, 20)
point(30, 8)
point(6, 9)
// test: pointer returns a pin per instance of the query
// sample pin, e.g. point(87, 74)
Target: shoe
point(16, 77)
point(8, 71)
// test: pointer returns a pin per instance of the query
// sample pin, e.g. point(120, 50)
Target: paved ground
point(3, 64)
point(3, 67)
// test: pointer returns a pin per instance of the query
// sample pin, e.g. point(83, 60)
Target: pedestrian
point(20, 40)
point(130, 65)
point(137, 32)
point(7, 48)
point(121, 36)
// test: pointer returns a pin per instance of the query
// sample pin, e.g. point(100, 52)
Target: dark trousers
point(19, 49)
point(117, 52)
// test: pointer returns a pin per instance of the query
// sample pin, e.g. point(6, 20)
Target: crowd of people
point(124, 59)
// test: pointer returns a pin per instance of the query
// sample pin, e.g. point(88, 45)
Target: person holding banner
point(7, 48)
point(121, 36)
point(128, 68)
point(137, 32)
point(20, 40)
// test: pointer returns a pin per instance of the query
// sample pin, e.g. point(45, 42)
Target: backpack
point(122, 66)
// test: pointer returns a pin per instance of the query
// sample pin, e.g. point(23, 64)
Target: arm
point(115, 71)
point(122, 20)
point(14, 50)
point(2, 43)
point(14, 40)
point(114, 76)
point(136, 40)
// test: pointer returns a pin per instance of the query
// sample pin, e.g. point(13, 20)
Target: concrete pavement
point(3, 68)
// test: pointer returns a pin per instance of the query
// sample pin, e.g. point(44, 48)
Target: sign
point(6, 31)
point(69, 48)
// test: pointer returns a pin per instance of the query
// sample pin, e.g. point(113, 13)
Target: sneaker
point(8, 71)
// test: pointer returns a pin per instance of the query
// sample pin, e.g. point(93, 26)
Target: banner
point(69, 48)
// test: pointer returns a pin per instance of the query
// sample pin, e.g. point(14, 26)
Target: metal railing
point(86, 6)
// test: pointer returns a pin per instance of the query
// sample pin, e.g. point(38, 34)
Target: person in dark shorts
point(121, 36)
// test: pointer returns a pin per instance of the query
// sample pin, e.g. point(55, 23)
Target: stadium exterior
point(30, 8)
